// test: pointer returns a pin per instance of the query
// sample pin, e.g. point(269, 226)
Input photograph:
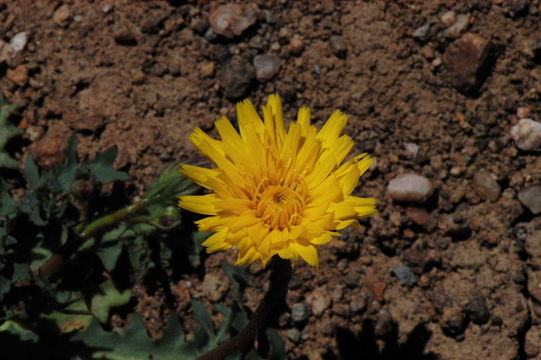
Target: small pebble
point(296, 45)
point(358, 302)
point(299, 313)
point(477, 310)
point(485, 185)
point(448, 18)
point(294, 335)
point(266, 66)
point(409, 187)
point(18, 41)
point(19, 75)
point(418, 216)
point(412, 150)
point(237, 77)
point(214, 287)
point(405, 275)
point(231, 20)
point(531, 198)
point(207, 69)
point(339, 46)
point(458, 26)
point(453, 321)
point(422, 33)
point(107, 8)
point(527, 134)
point(319, 300)
point(62, 15)
point(342, 265)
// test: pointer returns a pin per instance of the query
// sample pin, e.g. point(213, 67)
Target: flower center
point(280, 206)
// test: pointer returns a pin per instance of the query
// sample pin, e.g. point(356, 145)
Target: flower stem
point(279, 280)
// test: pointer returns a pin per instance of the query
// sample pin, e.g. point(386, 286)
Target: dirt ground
point(456, 276)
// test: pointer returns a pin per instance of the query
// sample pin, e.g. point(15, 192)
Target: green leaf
point(71, 322)
point(134, 343)
point(16, 329)
point(7, 204)
point(110, 297)
point(203, 316)
point(239, 275)
point(39, 255)
point(7, 162)
point(102, 167)
point(31, 172)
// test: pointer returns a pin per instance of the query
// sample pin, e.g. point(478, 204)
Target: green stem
point(114, 218)
point(56, 262)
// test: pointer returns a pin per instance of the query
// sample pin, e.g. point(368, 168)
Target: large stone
point(468, 61)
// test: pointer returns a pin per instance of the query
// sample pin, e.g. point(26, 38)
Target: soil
point(142, 74)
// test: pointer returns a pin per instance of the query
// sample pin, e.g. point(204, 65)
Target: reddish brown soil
point(143, 75)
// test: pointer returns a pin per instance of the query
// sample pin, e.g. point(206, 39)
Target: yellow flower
point(276, 192)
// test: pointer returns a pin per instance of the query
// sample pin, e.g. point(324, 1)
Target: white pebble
point(527, 134)
point(409, 187)
point(18, 42)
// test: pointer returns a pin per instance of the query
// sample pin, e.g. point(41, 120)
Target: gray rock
point(232, 20)
point(531, 198)
point(294, 335)
point(214, 287)
point(404, 275)
point(319, 300)
point(527, 134)
point(299, 313)
point(485, 185)
point(237, 77)
point(339, 46)
point(467, 61)
point(422, 33)
point(409, 187)
point(266, 66)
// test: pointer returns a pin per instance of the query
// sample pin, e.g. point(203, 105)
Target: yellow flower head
point(276, 192)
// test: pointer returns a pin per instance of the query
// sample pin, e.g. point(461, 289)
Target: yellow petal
point(201, 204)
